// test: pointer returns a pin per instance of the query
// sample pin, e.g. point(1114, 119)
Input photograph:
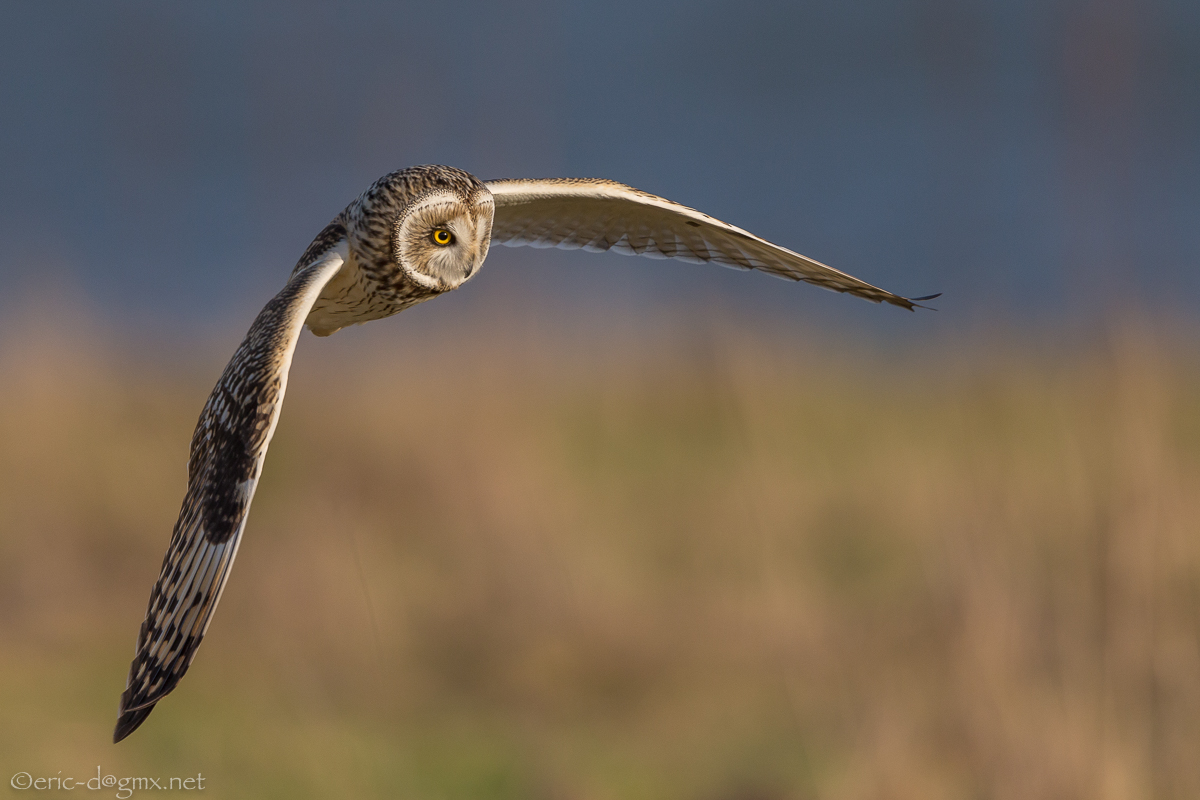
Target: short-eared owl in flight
point(413, 235)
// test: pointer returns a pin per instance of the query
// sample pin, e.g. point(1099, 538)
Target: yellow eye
point(442, 237)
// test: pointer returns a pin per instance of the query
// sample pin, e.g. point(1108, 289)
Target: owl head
point(441, 233)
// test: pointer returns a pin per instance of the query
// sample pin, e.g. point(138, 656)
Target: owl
point(413, 235)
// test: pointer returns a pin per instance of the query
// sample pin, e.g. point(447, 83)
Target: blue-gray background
point(163, 165)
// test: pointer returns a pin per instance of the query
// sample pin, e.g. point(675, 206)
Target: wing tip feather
point(915, 302)
point(128, 721)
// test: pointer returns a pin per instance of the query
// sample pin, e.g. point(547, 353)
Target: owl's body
point(414, 234)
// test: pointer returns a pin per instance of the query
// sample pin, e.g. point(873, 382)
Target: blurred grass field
point(705, 562)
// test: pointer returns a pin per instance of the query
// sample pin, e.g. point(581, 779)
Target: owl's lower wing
point(226, 459)
point(598, 215)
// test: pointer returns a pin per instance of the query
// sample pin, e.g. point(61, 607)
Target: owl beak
point(476, 261)
point(483, 238)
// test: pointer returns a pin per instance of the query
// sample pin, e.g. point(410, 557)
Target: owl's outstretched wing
point(226, 459)
point(598, 215)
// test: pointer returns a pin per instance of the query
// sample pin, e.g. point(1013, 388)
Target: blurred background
point(663, 531)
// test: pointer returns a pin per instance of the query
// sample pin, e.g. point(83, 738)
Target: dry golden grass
point(717, 566)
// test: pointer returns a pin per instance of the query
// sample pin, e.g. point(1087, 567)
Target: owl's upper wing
point(598, 215)
point(226, 459)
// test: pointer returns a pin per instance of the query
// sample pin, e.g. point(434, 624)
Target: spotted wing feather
point(226, 459)
point(599, 215)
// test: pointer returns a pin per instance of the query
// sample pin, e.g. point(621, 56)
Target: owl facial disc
point(442, 238)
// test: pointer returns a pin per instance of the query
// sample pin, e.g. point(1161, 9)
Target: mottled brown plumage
point(411, 236)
